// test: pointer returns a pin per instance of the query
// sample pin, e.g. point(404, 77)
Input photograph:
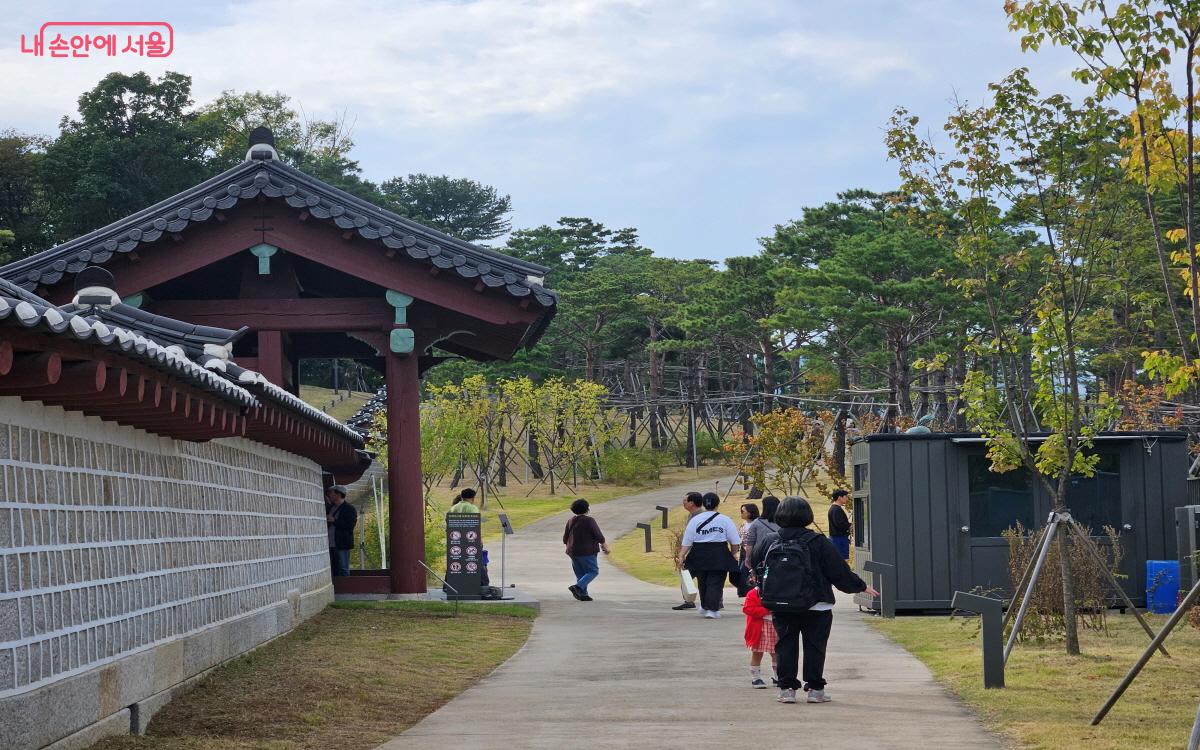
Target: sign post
point(464, 555)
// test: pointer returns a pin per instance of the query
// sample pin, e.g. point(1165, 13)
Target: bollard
point(664, 510)
point(646, 526)
point(991, 612)
point(885, 582)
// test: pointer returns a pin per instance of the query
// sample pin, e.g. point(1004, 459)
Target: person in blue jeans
point(583, 541)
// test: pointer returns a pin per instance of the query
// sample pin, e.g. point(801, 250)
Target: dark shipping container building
point(929, 505)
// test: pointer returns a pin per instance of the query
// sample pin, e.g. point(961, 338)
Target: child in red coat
point(760, 637)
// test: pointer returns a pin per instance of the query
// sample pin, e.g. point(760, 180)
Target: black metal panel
point(941, 539)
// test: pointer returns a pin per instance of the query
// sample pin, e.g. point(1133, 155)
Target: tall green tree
point(135, 142)
point(1035, 182)
point(459, 207)
point(23, 217)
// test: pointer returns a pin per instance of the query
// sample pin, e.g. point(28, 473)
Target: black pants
point(811, 626)
point(711, 585)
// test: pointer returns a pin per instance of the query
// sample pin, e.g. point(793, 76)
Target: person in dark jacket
point(794, 517)
point(341, 519)
point(584, 541)
point(839, 523)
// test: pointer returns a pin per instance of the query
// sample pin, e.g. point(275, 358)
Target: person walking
point(707, 551)
point(798, 569)
point(742, 580)
point(759, 636)
point(765, 523)
point(340, 520)
point(693, 503)
point(583, 541)
point(748, 512)
point(839, 523)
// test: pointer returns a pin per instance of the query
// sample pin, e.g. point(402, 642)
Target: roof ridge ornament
point(262, 145)
point(94, 286)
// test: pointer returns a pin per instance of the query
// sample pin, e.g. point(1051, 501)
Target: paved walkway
point(626, 671)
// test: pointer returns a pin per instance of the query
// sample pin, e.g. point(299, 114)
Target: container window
point(1095, 501)
point(862, 522)
point(862, 476)
point(998, 501)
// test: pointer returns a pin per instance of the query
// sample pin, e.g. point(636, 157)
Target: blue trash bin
point(1162, 586)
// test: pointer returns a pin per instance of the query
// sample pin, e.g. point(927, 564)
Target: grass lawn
point(319, 398)
point(352, 677)
point(523, 511)
point(658, 566)
point(1050, 697)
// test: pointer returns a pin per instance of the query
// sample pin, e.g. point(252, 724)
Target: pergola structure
point(313, 272)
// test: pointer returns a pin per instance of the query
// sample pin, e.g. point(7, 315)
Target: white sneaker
point(709, 615)
point(818, 696)
point(787, 695)
point(716, 615)
point(703, 612)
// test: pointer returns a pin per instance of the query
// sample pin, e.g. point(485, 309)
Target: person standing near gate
point(707, 552)
point(340, 519)
point(839, 523)
point(465, 502)
point(583, 540)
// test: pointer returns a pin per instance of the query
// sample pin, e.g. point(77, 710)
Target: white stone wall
point(114, 541)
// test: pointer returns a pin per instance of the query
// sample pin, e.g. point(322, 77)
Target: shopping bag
point(688, 583)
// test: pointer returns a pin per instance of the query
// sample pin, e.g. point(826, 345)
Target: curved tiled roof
point(273, 179)
point(47, 318)
point(212, 374)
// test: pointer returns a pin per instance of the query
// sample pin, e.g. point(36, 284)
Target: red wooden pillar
point(406, 508)
point(270, 356)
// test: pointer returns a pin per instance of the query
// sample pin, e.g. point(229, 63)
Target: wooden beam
point(338, 314)
point(6, 357)
point(33, 371)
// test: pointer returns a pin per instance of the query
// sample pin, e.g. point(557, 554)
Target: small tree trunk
point(839, 425)
point(535, 467)
point(690, 461)
point(502, 471)
point(1068, 587)
point(655, 394)
point(940, 407)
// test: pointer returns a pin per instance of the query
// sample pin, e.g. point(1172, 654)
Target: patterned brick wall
point(113, 540)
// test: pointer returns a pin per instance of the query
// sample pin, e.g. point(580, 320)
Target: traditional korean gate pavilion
point(315, 272)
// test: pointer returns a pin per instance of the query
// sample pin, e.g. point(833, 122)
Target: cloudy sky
point(703, 124)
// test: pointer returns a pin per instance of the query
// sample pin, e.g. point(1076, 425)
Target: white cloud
point(444, 64)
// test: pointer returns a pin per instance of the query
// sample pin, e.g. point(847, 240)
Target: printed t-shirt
point(719, 529)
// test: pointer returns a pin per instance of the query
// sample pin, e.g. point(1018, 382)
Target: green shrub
point(435, 537)
point(632, 466)
point(709, 449)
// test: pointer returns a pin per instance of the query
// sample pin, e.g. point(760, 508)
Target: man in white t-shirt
point(693, 503)
point(707, 551)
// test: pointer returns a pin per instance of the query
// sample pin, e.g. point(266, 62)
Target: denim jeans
point(586, 569)
point(339, 562)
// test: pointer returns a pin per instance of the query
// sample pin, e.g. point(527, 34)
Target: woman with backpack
point(797, 569)
point(707, 552)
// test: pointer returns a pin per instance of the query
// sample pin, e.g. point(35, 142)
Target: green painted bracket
point(263, 252)
point(135, 300)
point(402, 340)
point(401, 303)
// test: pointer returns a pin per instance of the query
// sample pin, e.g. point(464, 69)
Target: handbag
point(688, 583)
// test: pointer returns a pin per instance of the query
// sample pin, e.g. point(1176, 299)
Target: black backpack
point(789, 578)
